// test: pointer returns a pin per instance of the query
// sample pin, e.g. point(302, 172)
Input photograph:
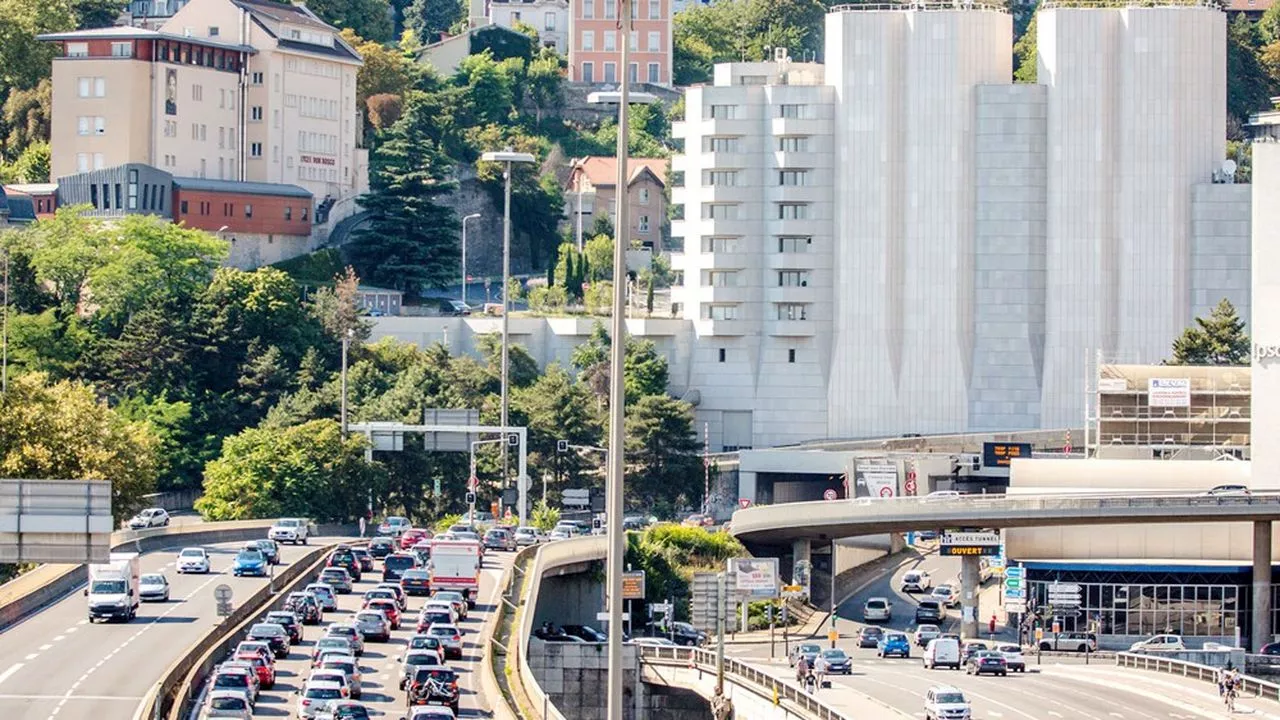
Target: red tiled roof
point(603, 170)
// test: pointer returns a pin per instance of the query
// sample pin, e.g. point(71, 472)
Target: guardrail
point(178, 690)
point(1252, 686)
point(511, 699)
point(743, 675)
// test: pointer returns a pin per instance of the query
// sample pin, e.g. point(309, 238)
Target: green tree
point(25, 117)
point(1269, 24)
point(308, 470)
point(61, 430)
point(93, 14)
point(1219, 339)
point(599, 254)
point(24, 60)
point(556, 408)
point(1025, 57)
point(369, 19)
point(181, 451)
point(429, 19)
point(1248, 86)
point(645, 371)
point(492, 85)
point(663, 467)
point(33, 165)
point(337, 310)
point(411, 242)
point(384, 72)
point(545, 84)
point(545, 517)
point(64, 250)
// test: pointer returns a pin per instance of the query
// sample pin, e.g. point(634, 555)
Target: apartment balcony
point(720, 294)
point(691, 194)
point(694, 261)
point(801, 126)
point(724, 328)
point(801, 160)
point(808, 226)
point(797, 193)
point(716, 126)
point(790, 328)
point(791, 294)
point(692, 230)
point(791, 260)
point(727, 161)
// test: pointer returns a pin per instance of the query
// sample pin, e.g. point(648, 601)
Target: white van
point(942, 651)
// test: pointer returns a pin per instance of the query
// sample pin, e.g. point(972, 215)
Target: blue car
point(250, 562)
point(894, 644)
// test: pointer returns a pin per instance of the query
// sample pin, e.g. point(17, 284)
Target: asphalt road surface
point(379, 665)
point(58, 665)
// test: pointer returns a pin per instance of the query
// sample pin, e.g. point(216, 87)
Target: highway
point(379, 665)
point(57, 665)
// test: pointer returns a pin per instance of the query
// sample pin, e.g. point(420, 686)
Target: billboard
point(1169, 392)
point(1000, 454)
point(633, 585)
point(756, 578)
point(875, 477)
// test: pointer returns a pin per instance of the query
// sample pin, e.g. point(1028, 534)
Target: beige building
point(226, 89)
point(592, 189)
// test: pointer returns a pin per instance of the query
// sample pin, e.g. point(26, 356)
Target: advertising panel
point(756, 578)
point(633, 585)
point(1169, 392)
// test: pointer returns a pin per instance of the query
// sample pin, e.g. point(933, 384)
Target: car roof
point(324, 685)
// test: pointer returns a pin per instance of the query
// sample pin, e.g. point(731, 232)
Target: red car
point(412, 536)
point(386, 607)
point(266, 670)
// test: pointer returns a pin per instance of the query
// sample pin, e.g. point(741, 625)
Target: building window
point(635, 9)
point(255, 78)
point(611, 72)
point(635, 71)
point(133, 190)
point(794, 243)
point(82, 162)
point(99, 161)
point(588, 72)
point(255, 113)
point(793, 278)
point(78, 49)
point(644, 224)
point(655, 74)
point(793, 211)
point(720, 144)
point(644, 196)
point(722, 278)
point(793, 144)
point(515, 16)
point(197, 93)
point(93, 195)
point(610, 9)
point(610, 41)
point(793, 311)
point(589, 9)
point(588, 40)
point(255, 149)
point(222, 138)
point(121, 49)
point(722, 112)
point(793, 178)
point(713, 211)
point(83, 123)
point(722, 354)
point(720, 178)
point(655, 41)
point(288, 213)
point(106, 196)
point(91, 87)
point(635, 37)
point(713, 244)
point(720, 312)
point(655, 9)
point(549, 21)
point(793, 112)
point(248, 211)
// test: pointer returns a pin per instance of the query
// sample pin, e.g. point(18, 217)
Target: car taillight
point(457, 638)
point(306, 702)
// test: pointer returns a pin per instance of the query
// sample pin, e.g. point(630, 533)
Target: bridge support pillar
point(970, 585)
point(1262, 629)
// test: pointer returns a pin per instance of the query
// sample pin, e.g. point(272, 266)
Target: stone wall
point(573, 676)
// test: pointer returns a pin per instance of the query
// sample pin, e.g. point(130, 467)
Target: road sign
point(1064, 595)
point(222, 593)
point(830, 494)
point(969, 543)
point(602, 616)
point(661, 607)
point(1014, 605)
point(224, 609)
point(744, 503)
point(1015, 571)
point(886, 491)
point(576, 497)
point(633, 585)
point(473, 483)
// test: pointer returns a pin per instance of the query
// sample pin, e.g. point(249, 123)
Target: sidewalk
point(846, 700)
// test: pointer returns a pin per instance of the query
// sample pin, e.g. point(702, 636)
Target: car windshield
point(833, 654)
point(344, 666)
point(319, 693)
point(289, 523)
point(810, 649)
point(944, 590)
point(950, 697)
point(369, 617)
point(319, 589)
point(192, 553)
point(421, 659)
point(264, 630)
point(351, 712)
point(895, 638)
point(416, 575)
point(232, 680)
point(281, 618)
point(442, 631)
point(332, 642)
point(424, 641)
point(108, 587)
point(247, 555)
point(1010, 649)
point(227, 703)
point(878, 604)
point(152, 580)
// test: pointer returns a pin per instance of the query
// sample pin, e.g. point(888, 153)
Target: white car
point(415, 659)
point(1013, 657)
point(193, 560)
point(946, 596)
point(1159, 642)
point(925, 633)
point(289, 530)
point(943, 702)
point(528, 535)
point(432, 712)
point(153, 586)
point(916, 581)
point(318, 696)
point(942, 495)
point(149, 518)
point(326, 675)
point(877, 609)
point(227, 704)
point(442, 606)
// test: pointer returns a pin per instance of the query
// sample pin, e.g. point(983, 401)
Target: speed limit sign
point(909, 487)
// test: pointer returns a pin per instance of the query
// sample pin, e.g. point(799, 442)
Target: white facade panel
point(1266, 295)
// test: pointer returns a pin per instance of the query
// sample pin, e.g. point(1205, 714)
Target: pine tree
point(411, 242)
point(1218, 340)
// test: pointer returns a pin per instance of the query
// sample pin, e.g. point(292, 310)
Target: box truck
point(113, 588)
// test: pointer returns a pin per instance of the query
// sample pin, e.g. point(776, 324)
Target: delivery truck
point(455, 565)
point(113, 588)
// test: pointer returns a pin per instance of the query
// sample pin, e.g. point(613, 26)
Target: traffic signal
point(471, 498)
point(976, 463)
point(513, 439)
point(562, 446)
point(597, 523)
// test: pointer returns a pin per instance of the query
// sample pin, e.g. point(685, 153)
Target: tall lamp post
point(346, 346)
point(472, 216)
point(507, 158)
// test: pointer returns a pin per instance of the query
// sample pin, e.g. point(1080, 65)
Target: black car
point(344, 557)
point(270, 549)
point(929, 611)
point(275, 636)
point(304, 605)
point(681, 634)
point(289, 621)
point(395, 564)
point(433, 685)
point(586, 632)
point(416, 581)
point(381, 547)
point(869, 637)
point(366, 560)
point(500, 539)
point(986, 661)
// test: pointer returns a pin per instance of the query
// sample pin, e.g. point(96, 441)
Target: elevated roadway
point(56, 664)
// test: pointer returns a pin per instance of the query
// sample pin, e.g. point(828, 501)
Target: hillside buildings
point(592, 191)
point(594, 37)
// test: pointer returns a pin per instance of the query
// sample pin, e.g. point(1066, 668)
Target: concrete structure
point(594, 36)
point(1266, 294)
point(55, 521)
point(592, 187)
point(549, 17)
point(245, 90)
point(1266, 124)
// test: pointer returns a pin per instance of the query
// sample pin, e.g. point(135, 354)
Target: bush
point(545, 517)
point(446, 522)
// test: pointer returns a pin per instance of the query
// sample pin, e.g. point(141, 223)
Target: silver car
point(348, 666)
point(338, 578)
point(350, 633)
point(450, 636)
point(227, 704)
point(324, 595)
point(415, 659)
point(153, 586)
point(373, 625)
point(316, 697)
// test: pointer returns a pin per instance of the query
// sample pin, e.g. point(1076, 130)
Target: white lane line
point(83, 622)
point(1115, 715)
point(71, 630)
point(1055, 713)
point(59, 637)
point(993, 713)
point(44, 647)
point(9, 673)
point(32, 656)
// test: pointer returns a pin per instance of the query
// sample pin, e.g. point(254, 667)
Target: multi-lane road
point(58, 665)
point(379, 665)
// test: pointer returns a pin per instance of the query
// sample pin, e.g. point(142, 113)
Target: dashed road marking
point(9, 673)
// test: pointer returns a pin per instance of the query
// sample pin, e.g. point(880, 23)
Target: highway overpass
point(797, 525)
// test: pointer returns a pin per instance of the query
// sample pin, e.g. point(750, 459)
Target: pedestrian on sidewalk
point(992, 626)
point(820, 667)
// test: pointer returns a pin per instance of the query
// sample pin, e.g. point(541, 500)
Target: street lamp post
point(472, 216)
point(506, 157)
point(346, 345)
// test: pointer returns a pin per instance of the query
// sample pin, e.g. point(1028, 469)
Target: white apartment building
point(549, 17)
point(756, 230)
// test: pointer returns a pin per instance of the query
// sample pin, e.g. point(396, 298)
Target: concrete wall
point(571, 599)
point(1220, 248)
point(1266, 294)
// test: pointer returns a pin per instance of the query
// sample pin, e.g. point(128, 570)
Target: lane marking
point(32, 656)
point(59, 638)
point(1051, 712)
point(93, 698)
point(44, 647)
point(9, 673)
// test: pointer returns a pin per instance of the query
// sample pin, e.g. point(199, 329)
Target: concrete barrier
point(36, 590)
